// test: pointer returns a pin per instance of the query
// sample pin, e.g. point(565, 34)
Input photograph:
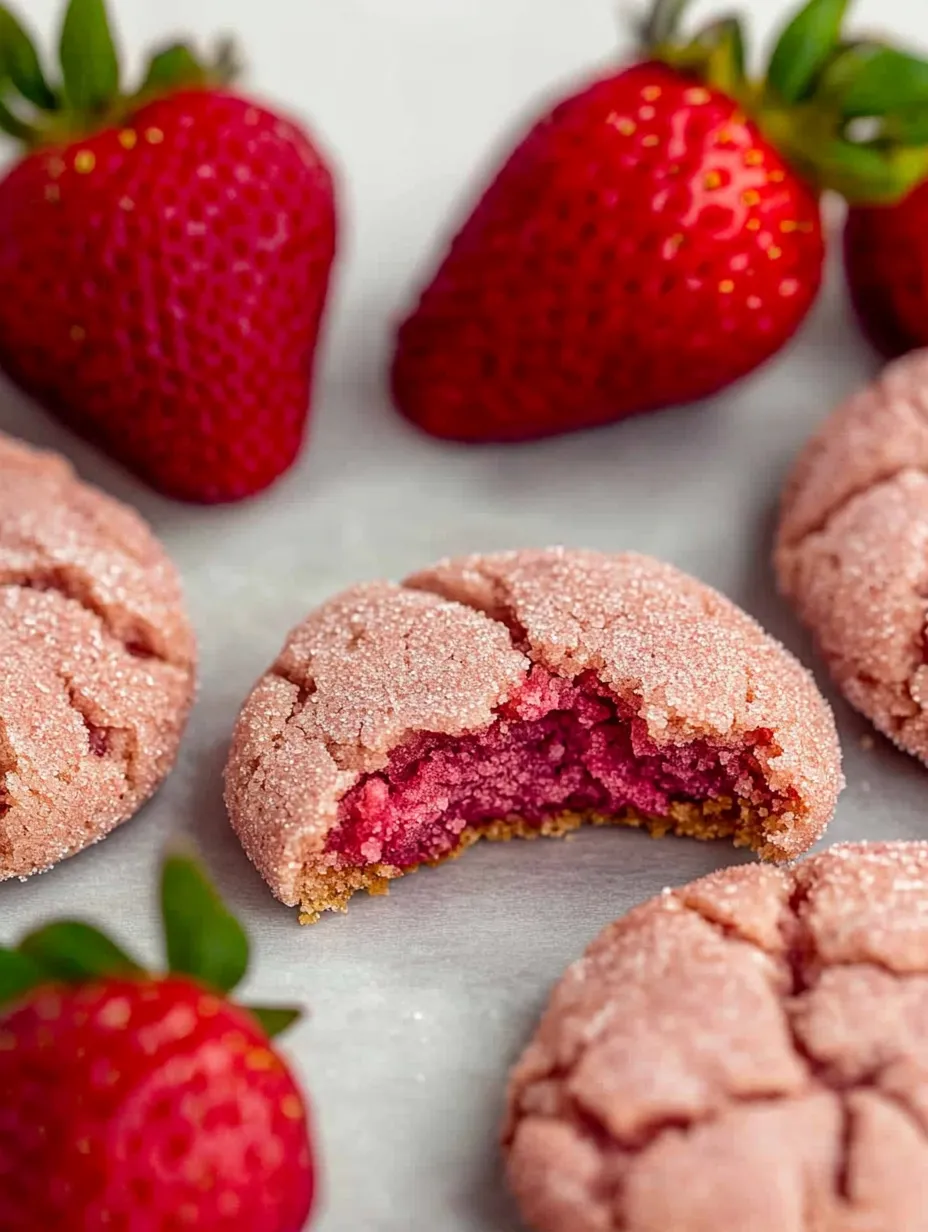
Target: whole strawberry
point(165, 257)
point(652, 239)
point(140, 1102)
point(886, 246)
point(886, 263)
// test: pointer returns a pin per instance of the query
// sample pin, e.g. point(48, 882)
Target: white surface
point(420, 1001)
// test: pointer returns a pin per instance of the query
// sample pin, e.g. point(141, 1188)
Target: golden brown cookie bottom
point(329, 889)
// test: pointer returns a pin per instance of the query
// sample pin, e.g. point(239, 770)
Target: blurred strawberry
point(886, 247)
point(165, 257)
point(146, 1103)
point(886, 266)
point(655, 237)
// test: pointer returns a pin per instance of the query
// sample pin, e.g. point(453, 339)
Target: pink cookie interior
point(559, 747)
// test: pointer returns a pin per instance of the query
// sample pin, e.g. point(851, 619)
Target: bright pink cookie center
point(558, 747)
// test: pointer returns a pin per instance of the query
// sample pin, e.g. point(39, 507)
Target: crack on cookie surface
point(304, 691)
point(816, 452)
point(543, 1094)
point(67, 581)
point(111, 741)
point(501, 609)
point(444, 655)
point(99, 661)
point(874, 643)
point(302, 682)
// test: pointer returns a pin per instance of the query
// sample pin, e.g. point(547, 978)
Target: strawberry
point(654, 237)
point(886, 265)
point(165, 256)
point(886, 245)
point(146, 1103)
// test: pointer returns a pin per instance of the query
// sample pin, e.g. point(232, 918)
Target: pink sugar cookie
point(852, 549)
point(749, 1052)
point(522, 694)
point(96, 662)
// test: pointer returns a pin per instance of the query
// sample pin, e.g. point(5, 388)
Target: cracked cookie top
point(852, 549)
point(458, 647)
point(749, 1051)
point(96, 661)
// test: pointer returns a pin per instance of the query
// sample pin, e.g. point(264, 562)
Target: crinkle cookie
point(852, 549)
point(522, 694)
point(746, 1054)
point(96, 662)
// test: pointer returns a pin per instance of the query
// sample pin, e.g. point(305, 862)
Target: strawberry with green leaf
point(165, 254)
point(654, 237)
point(886, 246)
point(140, 1102)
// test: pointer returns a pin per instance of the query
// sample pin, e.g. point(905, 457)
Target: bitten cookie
point(96, 662)
point(747, 1052)
point(522, 694)
point(852, 549)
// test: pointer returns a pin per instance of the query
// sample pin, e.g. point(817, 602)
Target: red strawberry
point(886, 262)
point(653, 238)
point(146, 1103)
point(165, 259)
point(886, 245)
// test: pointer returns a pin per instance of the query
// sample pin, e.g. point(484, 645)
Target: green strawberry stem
point(203, 941)
point(86, 93)
point(816, 90)
point(663, 21)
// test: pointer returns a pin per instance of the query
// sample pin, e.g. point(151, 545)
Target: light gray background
point(420, 1001)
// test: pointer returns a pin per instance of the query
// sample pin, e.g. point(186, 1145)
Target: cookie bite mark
point(522, 694)
point(365, 673)
point(877, 434)
point(560, 754)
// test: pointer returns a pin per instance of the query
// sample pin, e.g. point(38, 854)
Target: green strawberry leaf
point(844, 67)
point(804, 48)
point(723, 41)
point(19, 974)
point(13, 126)
point(171, 68)
point(872, 173)
point(203, 939)
point(663, 21)
point(886, 80)
point(273, 1018)
point(72, 951)
point(907, 127)
point(227, 64)
point(19, 62)
point(89, 63)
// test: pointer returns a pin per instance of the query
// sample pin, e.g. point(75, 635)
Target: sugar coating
point(448, 650)
point(363, 673)
point(96, 662)
point(693, 664)
point(746, 1052)
point(852, 549)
